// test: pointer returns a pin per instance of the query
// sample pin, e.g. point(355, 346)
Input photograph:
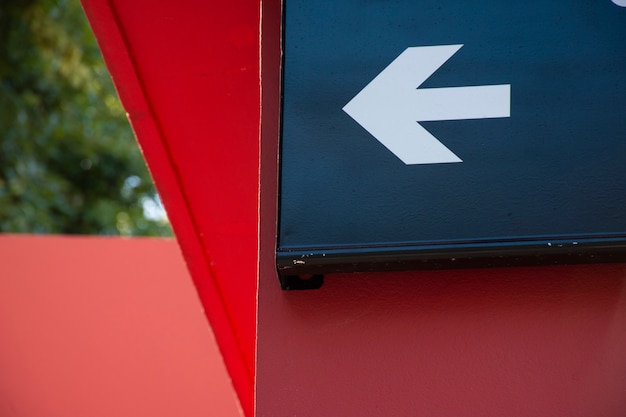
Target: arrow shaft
point(461, 103)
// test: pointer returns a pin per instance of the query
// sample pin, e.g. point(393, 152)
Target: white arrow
point(391, 105)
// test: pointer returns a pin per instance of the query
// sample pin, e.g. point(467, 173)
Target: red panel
point(188, 75)
point(502, 342)
point(547, 341)
point(105, 327)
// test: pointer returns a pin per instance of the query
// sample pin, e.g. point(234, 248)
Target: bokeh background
point(69, 163)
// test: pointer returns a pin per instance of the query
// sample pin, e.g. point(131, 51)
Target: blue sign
point(452, 133)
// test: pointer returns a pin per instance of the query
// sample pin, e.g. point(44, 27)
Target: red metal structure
point(188, 76)
point(200, 83)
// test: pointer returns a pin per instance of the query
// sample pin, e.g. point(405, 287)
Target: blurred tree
point(68, 159)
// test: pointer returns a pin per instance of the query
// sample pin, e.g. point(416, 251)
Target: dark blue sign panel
point(452, 133)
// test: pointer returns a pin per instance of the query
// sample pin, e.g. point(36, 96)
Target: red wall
point(105, 327)
point(501, 342)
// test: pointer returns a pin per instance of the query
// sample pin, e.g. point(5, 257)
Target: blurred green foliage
point(68, 159)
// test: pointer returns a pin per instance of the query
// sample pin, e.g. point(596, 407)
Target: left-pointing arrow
point(391, 105)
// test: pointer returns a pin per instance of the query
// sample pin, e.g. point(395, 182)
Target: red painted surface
point(547, 341)
point(188, 75)
point(518, 342)
point(104, 327)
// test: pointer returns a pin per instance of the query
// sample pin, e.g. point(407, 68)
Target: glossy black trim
point(450, 256)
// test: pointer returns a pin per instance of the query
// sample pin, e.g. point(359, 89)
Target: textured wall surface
point(515, 342)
